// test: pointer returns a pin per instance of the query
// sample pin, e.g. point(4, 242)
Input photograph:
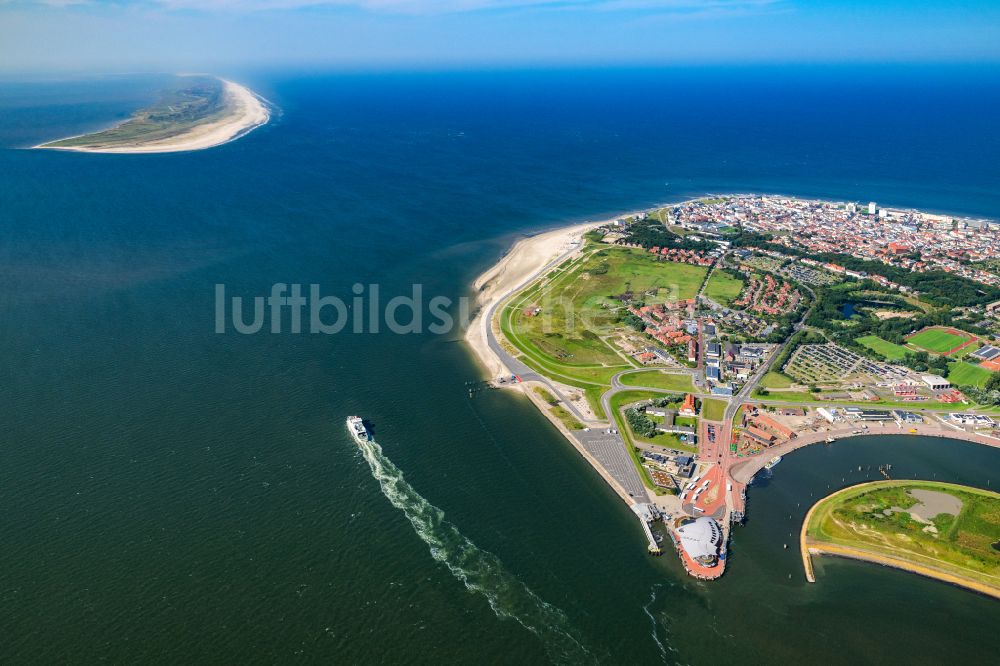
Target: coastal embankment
point(523, 263)
point(809, 547)
point(244, 111)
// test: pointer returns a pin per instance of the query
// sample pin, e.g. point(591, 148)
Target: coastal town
point(681, 353)
point(913, 240)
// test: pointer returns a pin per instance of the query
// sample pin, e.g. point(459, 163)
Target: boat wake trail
point(658, 626)
point(480, 571)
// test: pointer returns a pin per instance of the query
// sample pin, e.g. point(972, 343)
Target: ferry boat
point(774, 461)
point(357, 429)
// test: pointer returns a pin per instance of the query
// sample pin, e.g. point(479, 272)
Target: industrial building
point(828, 414)
point(936, 382)
point(906, 417)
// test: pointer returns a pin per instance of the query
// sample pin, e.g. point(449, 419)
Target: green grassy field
point(658, 379)
point(776, 380)
point(579, 308)
point(723, 288)
point(884, 348)
point(961, 373)
point(788, 396)
point(713, 410)
point(936, 340)
point(887, 518)
point(966, 350)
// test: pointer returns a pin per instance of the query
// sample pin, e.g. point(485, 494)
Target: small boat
point(357, 429)
point(774, 461)
point(830, 440)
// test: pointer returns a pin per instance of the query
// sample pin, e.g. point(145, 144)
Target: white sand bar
point(246, 112)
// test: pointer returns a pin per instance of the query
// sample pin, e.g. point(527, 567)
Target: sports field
point(884, 348)
point(961, 373)
point(938, 340)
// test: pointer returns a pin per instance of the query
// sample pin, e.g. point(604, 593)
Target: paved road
point(514, 365)
point(609, 449)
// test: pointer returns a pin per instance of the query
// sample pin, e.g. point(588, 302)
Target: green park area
point(937, 340)
point(560, 324)
point(723, 288)
point(923, 526)
point(884, 348)
point(658, 379)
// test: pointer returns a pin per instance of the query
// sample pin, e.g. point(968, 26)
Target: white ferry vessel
point(774, 461)
point(357, 429)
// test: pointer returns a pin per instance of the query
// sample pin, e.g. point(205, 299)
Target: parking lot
point(609, 450)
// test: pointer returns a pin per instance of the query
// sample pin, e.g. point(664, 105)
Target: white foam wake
point(480, 571)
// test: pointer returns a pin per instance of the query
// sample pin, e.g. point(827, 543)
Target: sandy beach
point(247, 112)
point(519, 266)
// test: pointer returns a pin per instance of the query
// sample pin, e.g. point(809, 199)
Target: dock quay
point(648, 513)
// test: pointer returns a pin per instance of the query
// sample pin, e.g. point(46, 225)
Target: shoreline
point(529, 258)
point(744, 471)
point(809, 549)
point(249, 112)
point(522, 263)
point(526, 259)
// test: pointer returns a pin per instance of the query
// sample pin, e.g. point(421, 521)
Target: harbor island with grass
point(940, 530)
point(682, 349)
point(198, 112)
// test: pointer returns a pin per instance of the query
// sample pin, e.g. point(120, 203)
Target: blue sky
point(122, 35)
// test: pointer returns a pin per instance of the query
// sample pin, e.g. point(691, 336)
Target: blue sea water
point(174, 495)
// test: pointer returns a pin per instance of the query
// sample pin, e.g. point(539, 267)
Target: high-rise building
point(872, 207)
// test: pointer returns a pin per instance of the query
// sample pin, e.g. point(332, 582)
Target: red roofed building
point(760, 435)
point(688, 406)
point(777, 428)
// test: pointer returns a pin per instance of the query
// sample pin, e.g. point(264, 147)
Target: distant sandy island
point(245, 112)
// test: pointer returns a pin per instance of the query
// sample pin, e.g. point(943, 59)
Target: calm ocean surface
point(170, 495)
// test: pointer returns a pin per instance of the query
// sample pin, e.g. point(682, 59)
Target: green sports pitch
point(938, 340)
point(961, 373)
point(885, 348)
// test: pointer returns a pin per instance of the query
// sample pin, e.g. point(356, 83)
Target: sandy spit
point(248, 113)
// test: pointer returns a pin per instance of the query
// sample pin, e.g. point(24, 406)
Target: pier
point(647, 513)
